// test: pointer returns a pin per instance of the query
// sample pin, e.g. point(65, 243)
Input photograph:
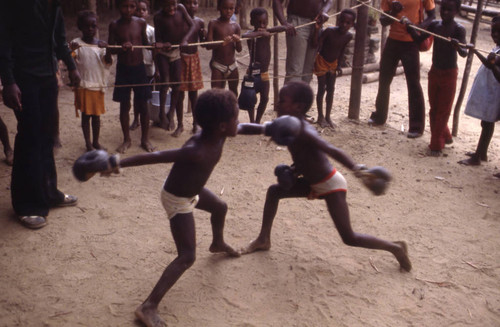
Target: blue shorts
point(131, 75)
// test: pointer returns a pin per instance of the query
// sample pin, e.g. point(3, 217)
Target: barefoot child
point(143, 12)
point(93, 65)
point(259, 48)
point(319, 180)
point(184, 189)
point(4, 138)
point(170, 25)
point(484, 98)
point(331, 43)
point(128, 31)
point(190, 60)
point(223, 62)
point(443, 73)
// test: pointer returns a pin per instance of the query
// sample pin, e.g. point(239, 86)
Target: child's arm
point(186, 153)
point(108, 60)
point(277, 29)
point(210, 37)
point(250, 129)
point(491, 62)
point(190, 22)
point(255, 34)
point(202, 32)
point(460, 38)
point(112, 40)
point(341, 58)
point(236, 38)
point(415, 35)
point(335, 153)
point(317, 38)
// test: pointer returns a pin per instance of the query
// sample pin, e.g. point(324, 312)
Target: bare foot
point(147, 146)
point(163, 124)
point(472, 161)
point(171, 125)
point(402, 257)
point(9, 157)
point(473, 154)
point(122, 148)
point(89, 147)
point(178, 131)
point(256, 245)
point(322, 122)
point(134, 125)
point(149, 317)
point(98, 146)
point(435, 153)
point(217, 248)
point(330, 123)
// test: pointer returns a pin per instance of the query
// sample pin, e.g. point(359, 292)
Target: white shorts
point(334, 182)
point(175, 204)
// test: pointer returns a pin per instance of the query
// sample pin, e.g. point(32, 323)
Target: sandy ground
point(96, 262)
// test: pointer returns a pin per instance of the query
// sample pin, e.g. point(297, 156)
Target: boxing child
point(484, 99)
point(93, 65)
point(318, 179)
point(259, 47)
point(128, 31)
point(223, 62)
point(184, 189)
point(170, 25)
point(444, 71)
point(331, 43)
point(191, 75)
point(143, 12)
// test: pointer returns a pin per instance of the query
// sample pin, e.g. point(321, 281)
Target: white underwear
point(334, 182)
point(175, 204)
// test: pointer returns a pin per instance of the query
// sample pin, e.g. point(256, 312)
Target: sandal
point(32, 222)
point(68, 201)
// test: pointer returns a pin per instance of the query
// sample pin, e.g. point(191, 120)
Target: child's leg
point(339, 211)
point(142, 107)
point(96, 131)
point(175, 76)
point(163, 68)
point(264, 99)
point(193, 97)
point(481, 153)
point(183, 231)
point(233, 81)
point(218, 81)
point(86, 131)
point(135, 122)
point(124, 122)
point(210, 202)
point(4, 138)
point(274, 194)
point(330, 91)
point(319, 100)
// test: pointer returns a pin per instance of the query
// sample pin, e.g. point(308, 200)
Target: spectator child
point(331, 43)
point(93, 66)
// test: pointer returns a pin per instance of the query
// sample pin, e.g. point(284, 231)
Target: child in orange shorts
point(93, 66)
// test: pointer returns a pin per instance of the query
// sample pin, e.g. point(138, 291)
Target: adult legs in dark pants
point(34, 178)
point(408, 53)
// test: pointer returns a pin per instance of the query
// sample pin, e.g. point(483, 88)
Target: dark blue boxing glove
point(283, 130)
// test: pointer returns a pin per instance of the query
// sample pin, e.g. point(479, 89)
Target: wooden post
point(468, 64)
point(276, 61)
point(358, 62)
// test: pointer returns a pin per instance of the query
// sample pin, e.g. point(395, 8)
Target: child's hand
point(290, 29)
point(74, 78)
point(470, 46)
point(492, 58)
point(227, 39)
point(184, 44)
point(455, 43)
point(127, 46)
point(405, 21)
point(236, 38)
point(321, 18)
point(102, 44)
point(74, 46)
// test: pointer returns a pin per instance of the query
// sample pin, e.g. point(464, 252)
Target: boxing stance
point(217, 114)
point(313, 176)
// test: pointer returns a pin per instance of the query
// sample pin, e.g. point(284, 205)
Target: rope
point(447, 39)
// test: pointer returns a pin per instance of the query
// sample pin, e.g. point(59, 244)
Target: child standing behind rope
point(93, 66)
point(331, 44)
point(443, 73)
point(223, 62)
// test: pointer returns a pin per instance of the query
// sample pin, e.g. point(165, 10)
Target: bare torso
point(333, 43)
point(262, 51)
point(170, 29)
point(187, 178)
point(199, 36)
point(218, 30)
point(133, 31)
